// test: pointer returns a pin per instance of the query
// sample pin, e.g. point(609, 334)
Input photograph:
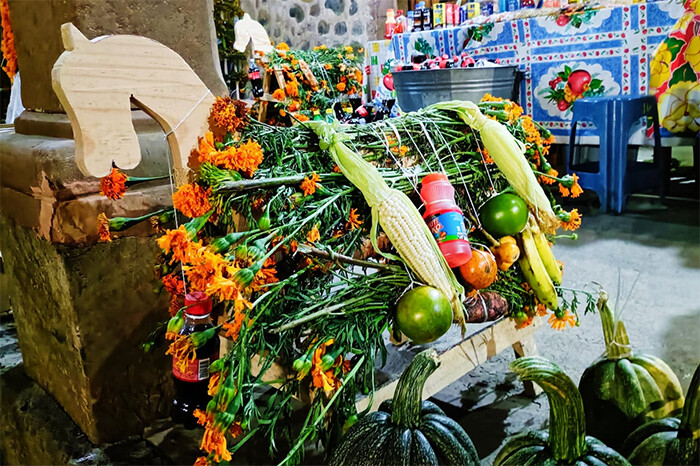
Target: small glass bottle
point(191, 377)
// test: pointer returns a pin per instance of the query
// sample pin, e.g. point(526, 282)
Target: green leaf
point(595, 83)
point(674, 46)
point(684, 73)
point(567, 70)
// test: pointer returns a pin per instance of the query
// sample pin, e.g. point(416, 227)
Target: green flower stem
point(247, 185)
point(122, 223)
point(132, 180)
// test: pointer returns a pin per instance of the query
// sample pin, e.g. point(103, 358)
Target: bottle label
point(448, 226)
point(195, 370)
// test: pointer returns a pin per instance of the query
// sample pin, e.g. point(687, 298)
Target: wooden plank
point(96, 81)
point(462, 358)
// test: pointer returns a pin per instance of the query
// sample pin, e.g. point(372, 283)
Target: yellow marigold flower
point(113, 186)
point(559, 323)
point(182, 350)
point(283, 47)
point(214, 441)
point(309, 185)
point(207, 267)
point(328, 66)
point(313, 235)
point(348, 49)
point(575, 190)
point(103, 228)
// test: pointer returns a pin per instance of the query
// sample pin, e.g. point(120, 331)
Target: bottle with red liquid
point(445, 219)
point(191, 384)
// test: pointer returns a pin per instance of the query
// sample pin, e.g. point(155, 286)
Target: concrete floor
point(657, 247)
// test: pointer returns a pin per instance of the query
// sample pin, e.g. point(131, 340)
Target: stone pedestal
point(83, 308)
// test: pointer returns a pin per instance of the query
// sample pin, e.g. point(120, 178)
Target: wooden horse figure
point(96, 81)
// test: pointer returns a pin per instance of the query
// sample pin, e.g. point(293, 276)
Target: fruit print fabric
point(675, 73)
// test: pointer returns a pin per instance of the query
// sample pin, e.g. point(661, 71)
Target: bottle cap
point(432, 177)
point(200, 303)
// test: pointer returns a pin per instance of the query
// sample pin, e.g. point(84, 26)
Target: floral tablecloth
point(604, 51)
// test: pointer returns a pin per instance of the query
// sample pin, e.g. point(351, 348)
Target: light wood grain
point(96, 82)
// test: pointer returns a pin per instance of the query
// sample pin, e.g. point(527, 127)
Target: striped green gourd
point(670, 441)
point(565, 442)
point(406, 431)
point(624, 389)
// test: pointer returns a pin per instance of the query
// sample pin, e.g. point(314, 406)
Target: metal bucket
point(418, 89)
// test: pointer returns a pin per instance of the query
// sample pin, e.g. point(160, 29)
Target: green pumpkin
point(623, 389)
point(669, 441)
point(406, 431)
point(565, 442)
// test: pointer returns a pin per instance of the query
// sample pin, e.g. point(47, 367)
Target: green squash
point(566, 441)
point(669, 441)
point(623, 389)
point(406, 431)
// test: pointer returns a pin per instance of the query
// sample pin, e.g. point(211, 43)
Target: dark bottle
point(255, 78)
point(191, 384)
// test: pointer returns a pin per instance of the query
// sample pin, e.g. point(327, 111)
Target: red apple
point(578, 80)
point(562, 20)
point(562, 105)
point(388, 81)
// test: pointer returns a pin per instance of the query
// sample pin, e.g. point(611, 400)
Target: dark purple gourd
point(669, 441)
point(624, 389)
point(406, 431)
point(565, 442)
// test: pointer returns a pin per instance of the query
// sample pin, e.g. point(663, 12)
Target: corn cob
point(398, 217)
point(507, 153)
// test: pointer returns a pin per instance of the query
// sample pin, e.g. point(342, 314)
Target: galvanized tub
point(418, 89)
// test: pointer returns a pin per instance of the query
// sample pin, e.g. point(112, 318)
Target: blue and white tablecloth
point(603, 51)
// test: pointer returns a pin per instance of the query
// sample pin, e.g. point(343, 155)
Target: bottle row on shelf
point(440, 15)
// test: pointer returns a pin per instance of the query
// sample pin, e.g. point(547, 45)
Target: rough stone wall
point(304, 24)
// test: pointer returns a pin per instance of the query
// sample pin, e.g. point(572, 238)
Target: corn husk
point(365, 177)
point(508, 155)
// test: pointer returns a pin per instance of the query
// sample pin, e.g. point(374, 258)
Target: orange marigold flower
point(228, 114)
point(294, 106)
point(8, 41)
point(291, 88)
point(103, 228)
point(279, 94)
point(113, 186)
point(212, 388)
point(559, 323)
point(283, 47)
point(323, 379)
point(206, 150)
point(301, 117)
point(340, 87)
point(235, 430)
point(173, 284)
point(541, 310)
point(490, 98)
point(202, 461)
point(310, 183)
point(574, 221)
point(206, 267)
point(201, 416)
point(313, 235)
point(192, 200)
point(233, 329)
point(328, 66)
point(574, 191)
point(485, 155)
point(182, 351)
point(336, 169)
point(179, 243)
point(525, 321)
point(353, 220)
point(547, 179)
point(214, 441)
point(250, 156)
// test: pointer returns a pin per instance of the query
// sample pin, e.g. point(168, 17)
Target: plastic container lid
point(200, 302)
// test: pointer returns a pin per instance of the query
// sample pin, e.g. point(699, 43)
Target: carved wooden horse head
point(96, 81)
